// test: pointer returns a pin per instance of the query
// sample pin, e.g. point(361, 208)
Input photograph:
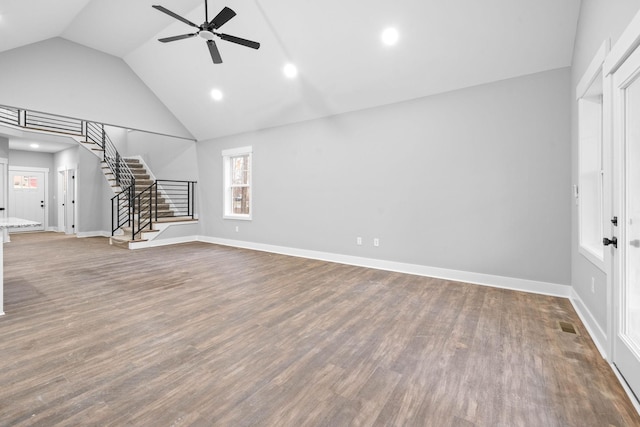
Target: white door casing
point(622, 90)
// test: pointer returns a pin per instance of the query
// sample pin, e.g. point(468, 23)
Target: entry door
point(27, 197)
point(626, 258)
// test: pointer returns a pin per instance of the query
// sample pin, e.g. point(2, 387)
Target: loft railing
point(10, 116)
point(52, 123)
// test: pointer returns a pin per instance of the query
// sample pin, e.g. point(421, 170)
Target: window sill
point(238, 217)
point(595, 258)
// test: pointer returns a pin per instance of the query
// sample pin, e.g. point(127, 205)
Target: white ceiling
point(343, 66)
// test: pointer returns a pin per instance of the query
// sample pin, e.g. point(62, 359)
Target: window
point(590, 185)
point(590, 189)
point(237, 183)
point(25, 182)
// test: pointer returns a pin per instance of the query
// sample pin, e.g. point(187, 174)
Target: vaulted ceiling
point(335, 44)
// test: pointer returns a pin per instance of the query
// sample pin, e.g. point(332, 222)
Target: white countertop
point(13, 222)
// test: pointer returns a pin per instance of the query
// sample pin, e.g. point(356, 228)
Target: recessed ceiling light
point(216, 94)
point(390, 36)
point(290, 70)
point(34, 145)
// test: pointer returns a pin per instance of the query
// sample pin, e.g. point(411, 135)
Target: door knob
point(613, 241)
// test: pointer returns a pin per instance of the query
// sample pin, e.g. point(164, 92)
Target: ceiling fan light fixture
point(290, 71)
point(207, 35)
point(390, 36)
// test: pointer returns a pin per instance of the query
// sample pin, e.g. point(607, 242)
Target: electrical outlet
point(359, 241)
point(237, 228)
point(376, 242)
point(593, 285)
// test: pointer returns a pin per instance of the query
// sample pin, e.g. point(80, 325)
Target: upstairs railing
point(10, 116)
point(41, 121)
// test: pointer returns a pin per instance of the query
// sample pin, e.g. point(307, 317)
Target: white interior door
point(626, 259)
point(27, 197)
point(70, 203)
point(61, 196)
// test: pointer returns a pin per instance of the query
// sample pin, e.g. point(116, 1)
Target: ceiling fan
point(207, 30)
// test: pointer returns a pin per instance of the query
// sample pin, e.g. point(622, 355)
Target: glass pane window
point(240, 172)
point(25, 182)
point(240, 200)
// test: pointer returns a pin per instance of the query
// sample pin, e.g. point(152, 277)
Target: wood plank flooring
point(205, 335)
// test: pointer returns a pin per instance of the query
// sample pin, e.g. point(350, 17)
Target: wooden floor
point(199, 334)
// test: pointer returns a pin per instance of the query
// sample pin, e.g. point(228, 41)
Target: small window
point(25, 182)
point(237, 183)
point(590, 188)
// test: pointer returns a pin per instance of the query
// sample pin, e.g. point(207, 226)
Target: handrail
point(142, 210)
point(95, 133)
point(120, 203)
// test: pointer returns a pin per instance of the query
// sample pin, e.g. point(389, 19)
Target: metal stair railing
point(121, 203)
point(162, 199)
point(180, 196)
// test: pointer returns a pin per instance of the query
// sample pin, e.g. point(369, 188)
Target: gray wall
point(61, 77)
point(4, 147)
point(599, 19)
point(93, 196)
point(39, 160)
point(167, 157)
point(475, 180)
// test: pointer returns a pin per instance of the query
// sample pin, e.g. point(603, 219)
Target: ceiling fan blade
point(178, 17)
point(238, 40)
point(174, 38)
point(222, 18)
point(213, 50)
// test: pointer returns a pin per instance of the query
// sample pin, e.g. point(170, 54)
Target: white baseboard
point(81, 234)
point(512, 283)
point(598, 336)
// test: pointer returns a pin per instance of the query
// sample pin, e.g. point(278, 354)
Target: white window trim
point(226, 197)
point(594, 71)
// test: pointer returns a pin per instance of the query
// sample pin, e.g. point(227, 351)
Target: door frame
point(620, 52)
point(66, 175)
point(5, 200)
point(47, 197)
